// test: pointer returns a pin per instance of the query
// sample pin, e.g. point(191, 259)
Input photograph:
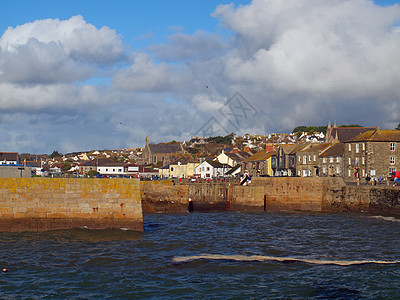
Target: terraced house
point(331, 161)
point(258, 164)
point(307, 164)
point(375, 152)
point(283, 161)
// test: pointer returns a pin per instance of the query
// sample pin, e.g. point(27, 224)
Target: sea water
point(224, 255)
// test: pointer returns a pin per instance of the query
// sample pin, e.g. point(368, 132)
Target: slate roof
point(336, 150)
point(9, 156)
point(347, 133)
point(165, 148)
point(231, 171)
point(380, 135)
point(183, 160)
point(97, 162)
point(235, 156)
point(33, 164)
point(217, 164)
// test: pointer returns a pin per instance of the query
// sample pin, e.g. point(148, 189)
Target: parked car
point(395, 175)
point(396, 181)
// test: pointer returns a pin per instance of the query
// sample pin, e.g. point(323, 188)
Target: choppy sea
point(224, 255)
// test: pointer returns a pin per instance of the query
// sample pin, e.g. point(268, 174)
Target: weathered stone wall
point(36, 204)
point(15, 171)
point(163, 196)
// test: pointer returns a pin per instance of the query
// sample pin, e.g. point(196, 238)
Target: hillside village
point(351, 152)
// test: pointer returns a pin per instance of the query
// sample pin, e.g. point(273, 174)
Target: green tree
point(66, 166)
point(92, 173)
point(55, 154)
point(310, 129)
point(227, 140)
point(398, 127)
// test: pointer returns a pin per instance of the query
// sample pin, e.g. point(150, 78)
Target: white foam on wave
point(391, 219)
point(261, 258)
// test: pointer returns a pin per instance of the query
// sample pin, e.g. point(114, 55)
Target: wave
point(392, 219)
point(261, 258)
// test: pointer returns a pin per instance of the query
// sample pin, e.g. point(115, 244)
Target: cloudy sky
point(82, 75)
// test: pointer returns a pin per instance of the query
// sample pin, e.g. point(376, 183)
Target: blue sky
point(81, 75)
point(139, 22)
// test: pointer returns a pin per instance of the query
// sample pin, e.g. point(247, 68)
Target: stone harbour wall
point(330, 194)
point(37, 204)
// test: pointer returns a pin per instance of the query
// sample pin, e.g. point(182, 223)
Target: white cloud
point(144, 75)
point(81, 41)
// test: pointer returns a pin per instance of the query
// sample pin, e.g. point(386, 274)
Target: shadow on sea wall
point(270, 194)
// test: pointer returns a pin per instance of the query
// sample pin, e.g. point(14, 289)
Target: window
point(337, 170)
point(299, 158)
point(315, 157)
point(304, 173)
point(338, 159)
point(363, 146)
point(392, 170)
point(304, 159)
point(349, 161)
point(349, 147)
point(309, 158)
point(309, 173)
point(298, 172)
point(349, 173)
point(392, 160)
point(363, 160)
point(324, 160)
point(331, 159)
point(392, 146)
point(357, 148)
point(208, 168)
point(324, 170)
point(363, 173)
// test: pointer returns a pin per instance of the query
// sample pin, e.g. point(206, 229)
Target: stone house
point(375, 152)
point(160, 153)
point(331, 161)
point(258, 164)
point(307, 162)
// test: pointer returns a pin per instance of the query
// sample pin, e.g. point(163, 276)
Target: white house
point(111, 169)
point(212, 169)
